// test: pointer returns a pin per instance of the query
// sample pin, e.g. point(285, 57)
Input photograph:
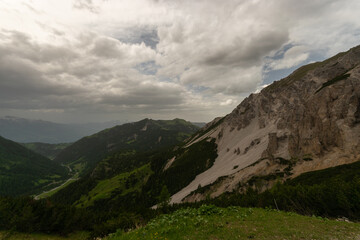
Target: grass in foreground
point(210, 222)
point(40, 236)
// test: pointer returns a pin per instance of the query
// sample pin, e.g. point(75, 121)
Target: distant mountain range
point(25, 130)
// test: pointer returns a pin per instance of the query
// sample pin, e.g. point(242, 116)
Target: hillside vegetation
point(134, 172)
point(210, 222)
point(145, 135)
point(117, 186)
point(332, 192)
point(24, 172)
point(127, 180)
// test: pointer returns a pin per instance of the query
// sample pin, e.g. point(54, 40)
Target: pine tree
point(164, 197)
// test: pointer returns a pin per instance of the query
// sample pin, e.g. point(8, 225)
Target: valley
point(73, 177)
point(25, 172)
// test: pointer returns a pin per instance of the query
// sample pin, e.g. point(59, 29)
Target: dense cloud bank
point(103, 60)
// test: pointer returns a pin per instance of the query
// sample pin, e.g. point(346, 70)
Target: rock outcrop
point(307, 121)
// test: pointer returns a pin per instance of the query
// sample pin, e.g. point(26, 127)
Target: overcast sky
point(101, 60)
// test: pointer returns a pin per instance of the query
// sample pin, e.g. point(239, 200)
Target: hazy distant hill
point(46, 149)
point(24, 172)
point(26, 130)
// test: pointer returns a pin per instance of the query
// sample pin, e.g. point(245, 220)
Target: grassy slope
point(105, 188)
point(56, 189)
point(210, 222)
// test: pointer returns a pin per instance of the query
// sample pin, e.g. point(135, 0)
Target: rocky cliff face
point(307, 121)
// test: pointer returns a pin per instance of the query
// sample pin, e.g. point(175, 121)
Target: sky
point(74, 61)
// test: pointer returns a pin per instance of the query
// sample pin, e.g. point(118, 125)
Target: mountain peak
point(144, 135)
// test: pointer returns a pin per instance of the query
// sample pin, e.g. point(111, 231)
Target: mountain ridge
point(144, 135)
point(119, 163)
point(306, 121)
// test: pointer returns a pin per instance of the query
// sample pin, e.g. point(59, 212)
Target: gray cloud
point(20, 77)
point(43, 76)
point(159, 58)
point(103, 47)
point(20, 45)
point(247, 53)
point(147, 95)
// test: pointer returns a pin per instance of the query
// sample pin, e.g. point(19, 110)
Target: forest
point(332, 193)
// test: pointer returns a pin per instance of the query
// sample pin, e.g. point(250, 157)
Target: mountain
point(117, 163)
point(307, 121)
point(46, 149)
point(130, 138)
point(26, 130)
point(294, 147)
point(24, 172)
